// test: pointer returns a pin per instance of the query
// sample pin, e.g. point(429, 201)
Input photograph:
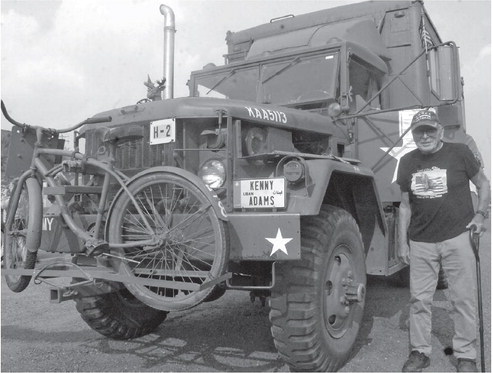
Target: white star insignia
point(398, 153)
point(279, 243)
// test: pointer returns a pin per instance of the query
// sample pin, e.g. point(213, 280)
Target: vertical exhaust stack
point(169, 49)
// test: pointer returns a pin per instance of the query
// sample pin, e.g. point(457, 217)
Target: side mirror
point(444, 74)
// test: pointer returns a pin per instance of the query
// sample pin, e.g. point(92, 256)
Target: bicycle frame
point(41, 172)
point(38, 168)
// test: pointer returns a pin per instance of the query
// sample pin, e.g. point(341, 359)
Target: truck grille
point(134, 154)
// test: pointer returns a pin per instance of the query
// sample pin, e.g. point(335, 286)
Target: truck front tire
point(317, 303)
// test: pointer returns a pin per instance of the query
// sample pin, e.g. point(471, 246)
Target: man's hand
point(477, 222)
point(403, 252)
point(483, 187)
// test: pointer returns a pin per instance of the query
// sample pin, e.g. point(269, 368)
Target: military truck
point(292, 147)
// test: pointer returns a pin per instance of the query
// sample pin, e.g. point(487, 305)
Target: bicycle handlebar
point(52, 130)
point(7, 116)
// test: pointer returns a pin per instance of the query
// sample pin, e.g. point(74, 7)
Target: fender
point(320, 172)
point(345, 185)
point(209, 194)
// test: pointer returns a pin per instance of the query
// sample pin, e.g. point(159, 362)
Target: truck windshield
point(239, 84)
point(300, 80)
point(289, 82)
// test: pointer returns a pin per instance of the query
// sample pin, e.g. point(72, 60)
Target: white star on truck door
point(398, 153)
point(405, 118)
point(279, 243)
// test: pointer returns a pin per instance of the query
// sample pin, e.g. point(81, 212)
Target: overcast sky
point(64, 61)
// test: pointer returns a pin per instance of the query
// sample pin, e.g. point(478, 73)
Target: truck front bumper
point(264, 236)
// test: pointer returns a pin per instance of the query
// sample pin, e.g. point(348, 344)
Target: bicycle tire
point(22, 235)
point(193, 241)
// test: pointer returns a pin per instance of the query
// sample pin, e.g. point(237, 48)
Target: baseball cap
point(425, 118)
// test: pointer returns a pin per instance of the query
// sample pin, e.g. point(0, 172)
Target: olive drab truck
point(290, 150)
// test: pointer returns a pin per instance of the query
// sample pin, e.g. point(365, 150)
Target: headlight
point(213, 173)
point(334, 110)
point(294, 171)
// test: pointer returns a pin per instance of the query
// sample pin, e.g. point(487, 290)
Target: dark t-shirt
point(439, 194)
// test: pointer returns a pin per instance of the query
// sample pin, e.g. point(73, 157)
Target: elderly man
point(435, 215)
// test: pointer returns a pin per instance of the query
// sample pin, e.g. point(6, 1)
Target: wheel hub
point(165, 236)
point(342, 291)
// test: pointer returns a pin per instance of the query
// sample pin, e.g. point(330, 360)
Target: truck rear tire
point(317, 303)
point(119, 315)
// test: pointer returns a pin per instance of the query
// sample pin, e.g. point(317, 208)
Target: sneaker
point(467, 365)
point(416, 362)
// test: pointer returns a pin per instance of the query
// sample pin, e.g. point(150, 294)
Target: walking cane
point(474, 238)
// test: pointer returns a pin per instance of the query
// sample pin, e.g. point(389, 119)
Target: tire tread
point(114, 319)
point(293, 303)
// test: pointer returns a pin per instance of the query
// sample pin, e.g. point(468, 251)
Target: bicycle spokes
point(185, 237)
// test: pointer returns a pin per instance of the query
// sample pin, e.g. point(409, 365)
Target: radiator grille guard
point(133, 155)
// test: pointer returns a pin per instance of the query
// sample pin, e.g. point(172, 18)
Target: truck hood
point(198, 107)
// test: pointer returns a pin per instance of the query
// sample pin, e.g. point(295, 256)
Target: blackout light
point(294, 171)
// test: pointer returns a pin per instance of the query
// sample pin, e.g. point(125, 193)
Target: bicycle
point(158, 232)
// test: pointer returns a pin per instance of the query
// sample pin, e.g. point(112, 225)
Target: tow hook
point(260, 294)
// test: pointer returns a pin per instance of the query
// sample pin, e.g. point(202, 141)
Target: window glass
point(364, 84)
point(434, 79)
point(292, 81)
point(233, 84)
point(300, 80)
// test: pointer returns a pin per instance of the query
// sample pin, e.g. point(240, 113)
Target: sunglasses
point(430, 132)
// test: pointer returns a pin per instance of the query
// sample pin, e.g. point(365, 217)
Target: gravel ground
point(230, 334)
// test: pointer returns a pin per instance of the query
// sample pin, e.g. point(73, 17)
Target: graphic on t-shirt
point(429, 183)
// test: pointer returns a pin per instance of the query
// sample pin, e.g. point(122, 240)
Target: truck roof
point(348, 22)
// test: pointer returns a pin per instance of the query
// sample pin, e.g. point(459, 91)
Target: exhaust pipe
point(169, 49)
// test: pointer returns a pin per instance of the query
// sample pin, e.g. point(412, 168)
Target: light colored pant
point(459, 264)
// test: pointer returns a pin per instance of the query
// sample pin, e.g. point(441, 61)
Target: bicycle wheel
point(190, 241)
point(22, 234)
